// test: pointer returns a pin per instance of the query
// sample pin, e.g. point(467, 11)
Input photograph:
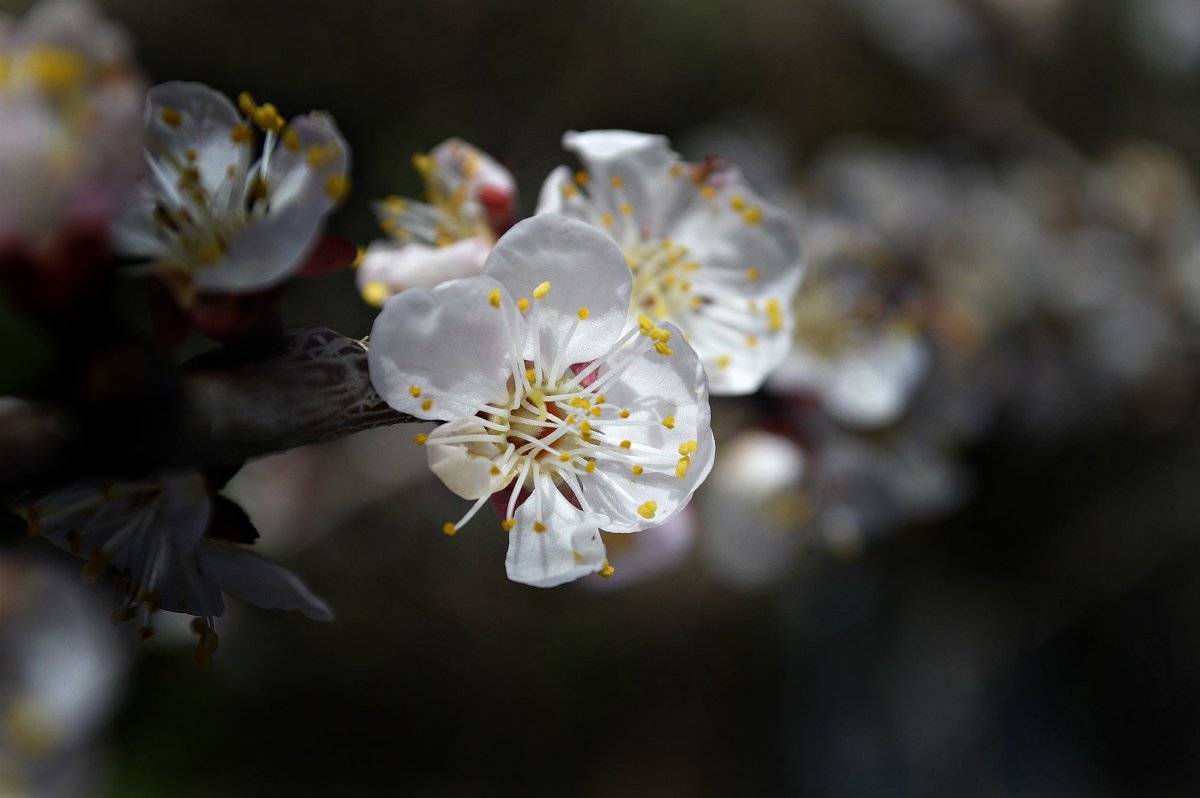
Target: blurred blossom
point(62, 675)
point(172, 546)
point(470, 201)
point(558, 411)
point(70, 125)
point(942, 37)
point(705, 251)
point(215, 214)
point(754, 510)
point(1165, 33)
point(858, 344)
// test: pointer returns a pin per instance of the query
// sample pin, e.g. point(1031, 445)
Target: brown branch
point(315, 388)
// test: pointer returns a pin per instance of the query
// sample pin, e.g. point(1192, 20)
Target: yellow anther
point(170, 116)
point(723, 361)
point(542, 289)
point(663, 349)
point(626, 444)
point(359, 255)
point(624, 413)
point(688, 447)
point(752, 215)
point(645, 326)
point(375, 294)
point(569, 190)
point(595, 411)
point(318, 155)
point(681, 468)
point(564, 456)
point(494, 471)
point(753, 305)
point(523, 304)
point(494, 297)
point(669, 422)
point(584, 313)
point(752, 340)
point(389, 225)
point(690, 266)
point(600, 398)
point(648, 509)
point(449, 528)
point(395, 204)
point(507, 524)
point(54, 69)
point(590, 467)
point(737, 202)
point(578, 557)
point(267, 118)
point(420, 439)
point(428, 403)
point(775, 315)
point(531, 375)
point(632, 261)
point(291, 139)
point(241, 133)
point(625, 209)
point(675, 171)
point(659, 334)
point(337, 187)
point(414, 391)
point(422, 162)
point(585, 430)
point(637, 470)
point(708, 192)
point(752, 274)
point(617, 182)
point(606, 219)
point(581, 178)
point(246, 103)
point(538, 526)
point(209, 252)
point(607, 570)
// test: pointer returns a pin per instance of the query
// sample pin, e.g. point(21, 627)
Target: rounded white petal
point(464, 468)
point(404, 266)
point(449, 345)
point(585, 270)
point(570, 546)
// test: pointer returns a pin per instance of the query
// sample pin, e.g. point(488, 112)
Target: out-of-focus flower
point(61, 677)
point(556, 409)
point(858, 343)
point(705, 251)
point(470, 202)
point(754, 510)
point(70, 142)
point(173, 546)
point(214, 215)
point(1165, 33)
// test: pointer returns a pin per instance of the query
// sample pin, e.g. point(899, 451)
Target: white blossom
point(470, 200)
point(152, 532)
point(215, 214)
point(706, 252)
point(70, 133)
point(579, 420)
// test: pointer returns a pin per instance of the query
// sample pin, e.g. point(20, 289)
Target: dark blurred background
point(1038, 641)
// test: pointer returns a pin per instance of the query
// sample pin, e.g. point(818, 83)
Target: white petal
point(206, 120)
point(568, 549)
point(246, 576)
point(585, 269)
point(404, 266)
point(550, 198)
point(464, 468)
point(272, 247)
point(450, 343)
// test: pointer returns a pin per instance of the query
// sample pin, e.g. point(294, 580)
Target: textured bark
point(314, 388)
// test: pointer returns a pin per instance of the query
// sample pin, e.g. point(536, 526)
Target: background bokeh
point(1040, 640)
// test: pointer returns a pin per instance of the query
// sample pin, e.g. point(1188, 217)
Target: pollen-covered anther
point(637, 470)
point(337, 187)
point(681, 467)
point(375, 294)
point(523, 304)
point(648, 509)
point(414, 391)
point(507, 524)
point(449, 529)
point(617, 181)
point(607, 570)
point(669, 422)
point(246, 103)
point(775, 315)
point(494, 297)
point(421, 439)
point(538, 526)
point(752, 215)
point(428, 403)
point(171, 117)
point(582, 178)
point(584, 313)
point(752, 274)
point(266, 117)
point(291, 140)
point(737, 202)
point(542, 289)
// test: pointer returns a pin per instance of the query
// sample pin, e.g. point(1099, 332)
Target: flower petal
point(464, 468)
point(246, 576)
point(399, 267)
point(585, 271)
point(570, 546)
point(441, 354)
